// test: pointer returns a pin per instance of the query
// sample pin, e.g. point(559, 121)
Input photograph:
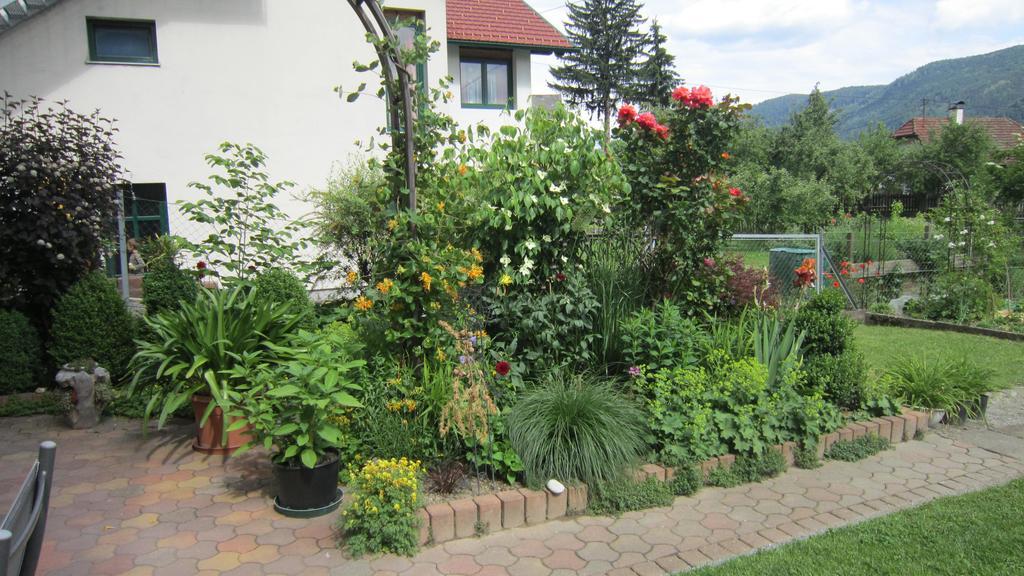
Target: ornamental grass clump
point(575, 428)
point(382, 516)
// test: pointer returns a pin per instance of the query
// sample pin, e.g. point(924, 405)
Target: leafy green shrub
point(625, 495)
point(575, 428)
point(61, 171)
point(92, 321)
point(616, 271)
point(695, 414)
point(661, 337)
point(858, 448)
point(550, 328)
point(806, 455)
point(826, 330)
point(757, 467)
point(959, 297)
point(20, 354)
point(382, 516)
point(687, 481)
point(279, 286)
point(723, 477)
point(840, 377)
point(166, 286)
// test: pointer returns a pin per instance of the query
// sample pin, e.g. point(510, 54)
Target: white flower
point(939, 237)
point(607, 209)
point(564, 200)
point(41, 242)
point(505, 260)
point(991, 222)
point(546, 238)
point(542, 174)
point(946, 219)
point(564, 259)
point(531, 245)
point(991, 244)
point(60, 256)
point(526, 268)
point(961, 243)
point(952, 244)
point(533, 198)
point(962, 232)
point(556, 188)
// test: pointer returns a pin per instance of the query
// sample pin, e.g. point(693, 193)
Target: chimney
point(956, 112)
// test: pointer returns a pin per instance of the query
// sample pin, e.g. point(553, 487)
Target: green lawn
point(881, 344)
point(976, 534)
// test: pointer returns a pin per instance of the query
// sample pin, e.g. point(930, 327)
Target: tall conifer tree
point(657, 76)
point(603, 66)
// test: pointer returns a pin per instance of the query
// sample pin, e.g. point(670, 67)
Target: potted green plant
point(190, 355)
point(293, 409)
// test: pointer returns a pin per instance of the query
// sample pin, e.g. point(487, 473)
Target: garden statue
point(83, 378)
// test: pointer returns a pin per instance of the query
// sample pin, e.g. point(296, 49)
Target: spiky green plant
point(777, 345)
point(574, 427)
point(616, 270)
point(194, 350)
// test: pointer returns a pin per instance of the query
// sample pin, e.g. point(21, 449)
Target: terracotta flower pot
point(210, 436)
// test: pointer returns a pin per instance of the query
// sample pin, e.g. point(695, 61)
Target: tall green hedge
point(20, 353)
point(92, 321)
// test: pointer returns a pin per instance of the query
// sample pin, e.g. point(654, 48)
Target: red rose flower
point(681, 94)
point(835, 284)
point(700, 97)
point(647, 121)
point(662, 131)
point(735, 192)
point(627, 114)
point(503, 368)
point(560, 277)
point(860, 280)
point(200, 265)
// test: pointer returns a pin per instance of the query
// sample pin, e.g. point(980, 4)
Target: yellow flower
point(441, 356)
point(352, 276)
point(392, 224)
point(440, 206)
point(477, 255)
point(385, 285)
point(505, 280)
point(476, 272)
point(363, 303)
point(463, 169)
point(426, 280)
point(400, 270)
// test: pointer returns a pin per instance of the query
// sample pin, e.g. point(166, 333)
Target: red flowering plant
point(675, 163)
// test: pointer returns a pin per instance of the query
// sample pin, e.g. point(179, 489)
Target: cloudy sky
point(760, 49)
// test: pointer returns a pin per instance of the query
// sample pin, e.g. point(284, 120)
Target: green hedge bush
point(840, 377)
point(826, 329)
point(92, 321)
point(280, 286)
point(20, 353)
point(166, 286)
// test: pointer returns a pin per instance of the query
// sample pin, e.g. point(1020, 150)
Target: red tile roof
point(501, 22)
point(1004, 131)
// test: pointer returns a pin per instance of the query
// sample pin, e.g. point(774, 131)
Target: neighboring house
point(1005, 132)
point(182, 76)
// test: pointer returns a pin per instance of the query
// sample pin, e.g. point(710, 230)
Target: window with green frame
point(407, 26)
point(145, 216)
point(122, 41)
point(485, 78)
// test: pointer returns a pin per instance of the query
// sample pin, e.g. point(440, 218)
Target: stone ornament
point(83, 379)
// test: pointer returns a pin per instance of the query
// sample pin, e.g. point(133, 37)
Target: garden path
point(127, 505)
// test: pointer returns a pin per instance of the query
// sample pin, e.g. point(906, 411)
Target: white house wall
point(230, 70)
point(523, 86)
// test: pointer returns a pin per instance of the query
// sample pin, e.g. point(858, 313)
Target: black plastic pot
point(959, 418)
point(982, 406)
point(301, 489)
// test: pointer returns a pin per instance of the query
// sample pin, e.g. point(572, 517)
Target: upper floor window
point(485, 78)
point(122, 41)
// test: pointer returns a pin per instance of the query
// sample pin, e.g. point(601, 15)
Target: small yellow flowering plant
point(382, 515)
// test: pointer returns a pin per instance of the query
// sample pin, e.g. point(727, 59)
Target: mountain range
point(990, 84)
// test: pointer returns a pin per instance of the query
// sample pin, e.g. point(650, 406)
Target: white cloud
point(711, 16)
point(953, 14)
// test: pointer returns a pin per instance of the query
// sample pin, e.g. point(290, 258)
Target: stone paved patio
point(124, 505)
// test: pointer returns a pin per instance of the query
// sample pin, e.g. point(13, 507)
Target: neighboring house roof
point(1004, 131)
point(506, 22)
point(13, 12)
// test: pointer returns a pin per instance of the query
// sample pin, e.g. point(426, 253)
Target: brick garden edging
point(513, 508)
